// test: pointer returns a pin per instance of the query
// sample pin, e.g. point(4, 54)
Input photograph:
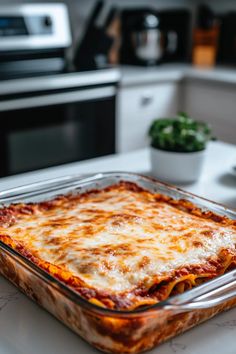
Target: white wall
point(219, 6)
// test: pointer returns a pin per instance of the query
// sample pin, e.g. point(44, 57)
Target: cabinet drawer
point(138, 107)
point(215, 104)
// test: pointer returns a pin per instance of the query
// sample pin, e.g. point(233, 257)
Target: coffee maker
point(150, 37)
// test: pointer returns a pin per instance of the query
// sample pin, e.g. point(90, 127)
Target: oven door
point(54, 128)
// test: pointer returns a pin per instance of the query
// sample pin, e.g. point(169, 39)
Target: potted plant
point(178, 147)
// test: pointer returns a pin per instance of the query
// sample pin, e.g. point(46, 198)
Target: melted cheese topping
point(119, 239)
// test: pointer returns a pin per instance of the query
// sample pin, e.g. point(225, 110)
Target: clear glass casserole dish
point(111, 330)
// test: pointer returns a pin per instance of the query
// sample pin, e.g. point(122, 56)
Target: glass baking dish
point(110, 330)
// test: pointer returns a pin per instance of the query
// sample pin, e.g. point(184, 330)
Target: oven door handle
point(58, 98)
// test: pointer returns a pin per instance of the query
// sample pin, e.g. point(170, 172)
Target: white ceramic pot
point(176, 167)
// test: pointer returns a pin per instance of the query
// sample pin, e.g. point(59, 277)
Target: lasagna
point(122, 247)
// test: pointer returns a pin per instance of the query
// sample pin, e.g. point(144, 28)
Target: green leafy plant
point(180, 134)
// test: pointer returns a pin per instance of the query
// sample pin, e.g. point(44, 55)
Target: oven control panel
point(34, 26)
point(25, 25)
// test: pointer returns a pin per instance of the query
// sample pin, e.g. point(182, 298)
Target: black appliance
point(151, 37)
point(49, 115)
point(227, 39)
point(93, 49)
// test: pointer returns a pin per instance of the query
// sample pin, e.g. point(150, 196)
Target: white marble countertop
point(25, 328)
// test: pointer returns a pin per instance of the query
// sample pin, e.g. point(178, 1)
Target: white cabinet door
point(137, 107)
point(214, 103)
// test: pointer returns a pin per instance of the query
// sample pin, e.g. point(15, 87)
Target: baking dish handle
point(210, 299)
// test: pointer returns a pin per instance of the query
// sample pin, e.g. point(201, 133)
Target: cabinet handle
point(146, 100)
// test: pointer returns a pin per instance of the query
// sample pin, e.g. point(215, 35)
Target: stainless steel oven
point(55, 120)
point(49, 113)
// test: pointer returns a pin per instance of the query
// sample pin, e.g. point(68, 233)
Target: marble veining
point(230, 324)
point(6, 297)
point(176, 346)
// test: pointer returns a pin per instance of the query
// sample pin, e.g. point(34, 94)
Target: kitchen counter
point(133, 75)
point(25, 328)
point(67, 80)
point(125, 75)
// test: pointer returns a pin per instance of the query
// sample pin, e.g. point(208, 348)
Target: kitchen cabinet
point(214, 102)
point(138, 106)
point(149, 93)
